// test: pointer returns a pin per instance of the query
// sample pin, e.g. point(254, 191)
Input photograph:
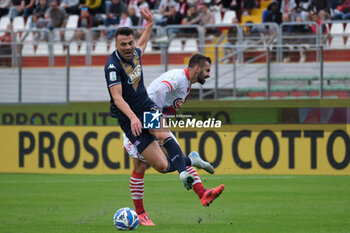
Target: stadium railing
point(180, 38)
point(250, 59)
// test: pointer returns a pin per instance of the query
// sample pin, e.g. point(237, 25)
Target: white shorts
point(131, 149)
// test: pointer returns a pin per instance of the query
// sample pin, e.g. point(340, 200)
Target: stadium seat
point(191, 45)
point(74, 48)
point(43, 49)
point(264, 4)
point(337, 28)
point(100, 48)
point(83, 48)
point(29, 37)
point(334, 77)
point(308, 88)
point(337, 42)
point(18, 23)
point(28, 49)
point(250, 89)
point(56, 35)
point(175, 45)
point(58, 49)
point(229, 15)
point(111, 48)
point(4, 21)
point(218, 18)
point(336, 32)
point(29, 21)
point(347, 31)
point(282, 88)
point(325, 88)
point(149, 47)
point(243, 98)
point(306, 78)
point(72, 23)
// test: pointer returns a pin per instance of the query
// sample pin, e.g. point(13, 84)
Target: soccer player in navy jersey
point(129, 100)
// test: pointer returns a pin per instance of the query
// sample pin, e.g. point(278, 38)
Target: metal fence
point(258, 62)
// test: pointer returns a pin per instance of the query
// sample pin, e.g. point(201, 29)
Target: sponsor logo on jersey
point(111, 66)
point(136, 74)
point(133, 72)
point(173, 108)
point(135, 77)
point(178, 103)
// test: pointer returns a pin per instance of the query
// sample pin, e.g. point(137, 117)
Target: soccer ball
point(126, 219)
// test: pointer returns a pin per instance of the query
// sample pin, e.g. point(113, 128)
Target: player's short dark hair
point(198, 60)
point(125, 31)
point(205, 4)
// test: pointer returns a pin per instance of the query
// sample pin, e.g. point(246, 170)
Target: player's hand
point(136, 126)
point(147, 15)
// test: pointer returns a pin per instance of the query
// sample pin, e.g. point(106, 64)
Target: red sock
point(197, 184)
point(136, 186)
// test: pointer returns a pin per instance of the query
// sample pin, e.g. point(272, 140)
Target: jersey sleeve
point(172, 82)
point(112, 75)
point(139, 52)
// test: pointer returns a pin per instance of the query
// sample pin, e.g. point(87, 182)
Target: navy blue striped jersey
point(129, 74)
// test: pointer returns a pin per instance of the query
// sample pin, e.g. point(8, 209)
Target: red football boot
point(145, 220)
point(211, 194)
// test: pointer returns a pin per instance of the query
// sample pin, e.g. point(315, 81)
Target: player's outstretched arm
point(135, 123)
point(142, 42)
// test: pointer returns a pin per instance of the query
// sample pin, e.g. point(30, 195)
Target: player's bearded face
point(125, 46)
point(204, 73)
point(201, 77)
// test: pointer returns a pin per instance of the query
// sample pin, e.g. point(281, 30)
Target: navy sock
point(171, 166)
point(175, 157)
point(187, 161)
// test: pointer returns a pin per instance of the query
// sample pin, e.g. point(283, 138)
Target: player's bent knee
point(155, 157)
point(161, 135)
point(160, 166)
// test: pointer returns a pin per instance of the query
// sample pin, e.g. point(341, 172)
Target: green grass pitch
point(250, 203)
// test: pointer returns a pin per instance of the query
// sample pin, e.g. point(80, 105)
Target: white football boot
point(187, 179)
point(198, 162)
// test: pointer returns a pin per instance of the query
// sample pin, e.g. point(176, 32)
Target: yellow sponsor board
point(232, 149)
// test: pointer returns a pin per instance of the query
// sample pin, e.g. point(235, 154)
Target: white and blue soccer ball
point(126, 219)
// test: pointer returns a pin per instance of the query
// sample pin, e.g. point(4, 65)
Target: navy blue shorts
point(145, 138)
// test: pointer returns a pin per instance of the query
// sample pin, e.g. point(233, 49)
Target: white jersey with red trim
point(179, 85)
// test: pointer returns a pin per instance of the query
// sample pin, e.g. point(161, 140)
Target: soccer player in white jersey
point(169, 91)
